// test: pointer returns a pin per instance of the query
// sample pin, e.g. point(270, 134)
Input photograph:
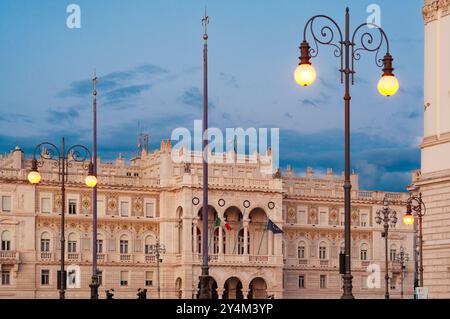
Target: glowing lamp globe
point(388, 85)
point(34, 177)
point(408, 219)
point(91, 181)
point(305, 74)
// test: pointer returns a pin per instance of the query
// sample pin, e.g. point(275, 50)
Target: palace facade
point(151, 196)
point(433, 179)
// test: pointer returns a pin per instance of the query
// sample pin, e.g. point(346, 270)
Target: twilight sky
point(148, 56)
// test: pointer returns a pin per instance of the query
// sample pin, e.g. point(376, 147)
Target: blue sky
point(148, 56)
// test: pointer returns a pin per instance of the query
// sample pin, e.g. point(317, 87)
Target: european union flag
point(273, 227)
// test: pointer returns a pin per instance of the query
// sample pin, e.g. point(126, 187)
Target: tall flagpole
point(205, 289)
point(94, 285)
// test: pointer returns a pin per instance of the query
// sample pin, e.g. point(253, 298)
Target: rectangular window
point(124, 278)
point(100, 246)
point(323, 218)
point(45, 205)
point(6, 243)
point(301, 281)
point(323, 253)
point(45, 277)
point(301, 252)
point(100, 208)
point(342, 219)
point(124, 246)
point(149, 210)
point(363, 254)
point(364, 220)
point(72, 246)
point(72, 206)
point(323, 281)
point(392, 254)
point(6, 203)
point(302, 217)
point(45, 245)
point(6, 277)
point(100, 277)
point(149, 278)
point(393, 282)
point(124, 209)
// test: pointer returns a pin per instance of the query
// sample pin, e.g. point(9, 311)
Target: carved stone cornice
point(431, 9)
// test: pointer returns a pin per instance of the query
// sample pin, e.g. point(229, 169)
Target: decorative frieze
point(433, 9)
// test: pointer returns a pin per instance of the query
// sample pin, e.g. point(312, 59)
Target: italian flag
point(218, 221)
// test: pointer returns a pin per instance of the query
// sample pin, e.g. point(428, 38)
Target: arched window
point(241, 242)
point(301, 250)
point(72, 243)
point(216, 241)
point(323, 254)
point(6, 241)
point(45, 242)
point(99, 244)
point(148, 243)
point(124, 244)
point(199, 241)
point(393, 252)
point(363, 252)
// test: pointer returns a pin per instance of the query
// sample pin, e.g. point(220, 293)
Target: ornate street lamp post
point(62, 159)
point(157, 249)
point(402, 257)
point(415, 204)
point(386, 216)
point(95, 283)
point(348, 50)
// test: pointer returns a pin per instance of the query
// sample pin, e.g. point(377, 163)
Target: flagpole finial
point(205, 22)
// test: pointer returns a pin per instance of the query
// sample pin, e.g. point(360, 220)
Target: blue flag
point(273, 227)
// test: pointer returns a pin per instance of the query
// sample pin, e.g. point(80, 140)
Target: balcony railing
point(125, 258)
point(324, 263)
point(150, 258)
point(46, 256)
point(101, 258)
point(73, 256)
point(7, 255)
point(303, 262)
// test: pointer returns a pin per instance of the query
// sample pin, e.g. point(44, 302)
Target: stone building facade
point(433, 179)
point(152, 196)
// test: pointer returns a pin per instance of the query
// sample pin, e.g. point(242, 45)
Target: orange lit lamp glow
point(408, 219)
point(34, 177)
point(305, 74)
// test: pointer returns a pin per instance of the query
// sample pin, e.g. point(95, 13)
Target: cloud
point(15, 117)
point(194, 97)
point(309, 102)
point(377, 160)
point(228, 79)
point(55, 116)
point(288, 115)
point(119, 95)
point(112, 81)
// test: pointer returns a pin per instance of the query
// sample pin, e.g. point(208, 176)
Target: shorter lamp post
point(386, 216)
point(415, 204)
point(402, 257)
point(157, 249)
point(62, 159)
